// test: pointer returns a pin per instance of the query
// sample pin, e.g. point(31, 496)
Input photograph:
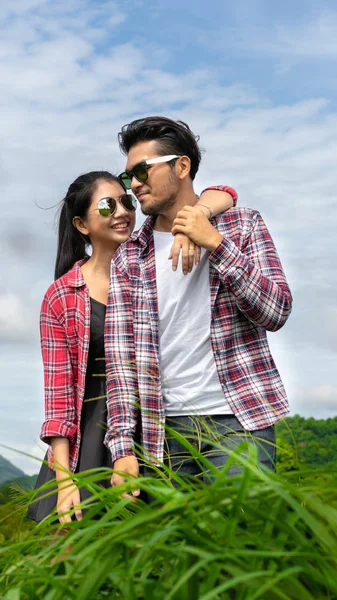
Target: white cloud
point(16, 323)
point(318, 401)
point(311, 36)
point(316, 38)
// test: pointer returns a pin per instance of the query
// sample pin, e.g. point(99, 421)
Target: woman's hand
point(190, 253)
point(124, 469)
point(194, 224)
point(68, 497)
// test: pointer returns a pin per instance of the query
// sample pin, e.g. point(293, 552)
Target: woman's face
point(115, 228)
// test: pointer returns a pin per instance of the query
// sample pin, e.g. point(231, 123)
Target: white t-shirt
point(189, 379)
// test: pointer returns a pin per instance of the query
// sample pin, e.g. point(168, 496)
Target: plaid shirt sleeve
point(255, 276)
point(58, 378)
point(121, 371)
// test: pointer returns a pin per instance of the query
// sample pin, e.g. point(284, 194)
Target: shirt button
point(86, 336)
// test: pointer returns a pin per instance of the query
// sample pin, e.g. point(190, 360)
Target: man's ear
point(80, 225)
point(183, 166)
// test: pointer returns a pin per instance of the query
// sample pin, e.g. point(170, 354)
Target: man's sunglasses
point(140, 170)
point(107, 206)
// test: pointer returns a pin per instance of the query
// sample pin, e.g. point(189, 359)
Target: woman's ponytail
point(71, 245)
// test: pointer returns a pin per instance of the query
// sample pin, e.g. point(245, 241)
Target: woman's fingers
point(68, 499)
point(184, 247)
point(66, 518)
point(197, 255)
point(191, 255)
point(174, 253)
point(78, 514)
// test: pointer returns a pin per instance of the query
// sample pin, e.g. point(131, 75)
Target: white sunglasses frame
point(167, 158)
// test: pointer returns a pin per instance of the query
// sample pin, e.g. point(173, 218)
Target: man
point(194, 349)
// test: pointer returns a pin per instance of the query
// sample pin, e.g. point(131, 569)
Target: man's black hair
point(173, 137)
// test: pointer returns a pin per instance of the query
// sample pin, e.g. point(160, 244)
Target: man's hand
point(190, 253)
point(126, 466)
point(68, 497)
point(193, 223)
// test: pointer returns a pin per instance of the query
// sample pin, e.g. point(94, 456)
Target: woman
point(96, 212)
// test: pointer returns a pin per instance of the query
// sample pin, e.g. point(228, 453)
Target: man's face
point(159, 192)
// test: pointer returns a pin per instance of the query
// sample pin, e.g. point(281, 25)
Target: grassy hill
point(11, 479)
point(8, 471)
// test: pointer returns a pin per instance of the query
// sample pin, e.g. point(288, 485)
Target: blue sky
point(255, 79)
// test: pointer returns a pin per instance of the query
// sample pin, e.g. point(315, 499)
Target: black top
point(96, 364)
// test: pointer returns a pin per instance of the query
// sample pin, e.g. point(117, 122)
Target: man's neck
point(165, 220)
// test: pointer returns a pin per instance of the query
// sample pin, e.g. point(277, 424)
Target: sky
point(255, 79)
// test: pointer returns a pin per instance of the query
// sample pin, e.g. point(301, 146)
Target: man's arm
point(121, 372)
point(255, 276)
point(122, 384)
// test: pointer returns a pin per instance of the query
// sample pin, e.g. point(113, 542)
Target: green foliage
point(259, 536)
point(10, 488)
point(13, 507)
point(306, 442)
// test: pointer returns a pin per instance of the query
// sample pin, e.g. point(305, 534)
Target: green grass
point(257, 536)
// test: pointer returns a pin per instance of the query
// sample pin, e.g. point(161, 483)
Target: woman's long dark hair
point(72, 245)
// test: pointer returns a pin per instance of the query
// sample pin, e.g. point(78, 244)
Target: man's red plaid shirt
point(249, 296)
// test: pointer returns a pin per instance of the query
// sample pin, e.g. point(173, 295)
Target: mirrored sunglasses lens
point(126, 180)
point(106, 206)
point(128, 202)
point(140, 172)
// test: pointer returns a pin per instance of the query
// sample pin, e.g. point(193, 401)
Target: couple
point(189, 349)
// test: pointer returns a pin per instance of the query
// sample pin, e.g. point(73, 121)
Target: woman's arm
point(217, 199)
point(59, 425)
point(213, 201)
point(59, 393)
point(68, 495)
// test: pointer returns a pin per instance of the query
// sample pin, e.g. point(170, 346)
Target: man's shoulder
point(237, 214)
point(128, 249)
point(236, 219)
point(128, 253)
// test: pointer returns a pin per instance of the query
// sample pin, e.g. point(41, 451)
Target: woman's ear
point(80, 225)
point(184, 167)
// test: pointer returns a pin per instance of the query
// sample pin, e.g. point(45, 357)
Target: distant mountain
point(8, 472)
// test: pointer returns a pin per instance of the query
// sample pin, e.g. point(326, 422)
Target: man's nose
point(135, 185)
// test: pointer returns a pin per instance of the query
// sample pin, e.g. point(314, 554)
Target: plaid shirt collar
point(75, 278)
point(144, 233)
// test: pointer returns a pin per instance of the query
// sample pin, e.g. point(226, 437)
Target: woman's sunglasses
point(107, 206)
point(140, 170)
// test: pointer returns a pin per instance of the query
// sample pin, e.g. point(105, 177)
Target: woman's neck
point(99, 262)
point(96, 273)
